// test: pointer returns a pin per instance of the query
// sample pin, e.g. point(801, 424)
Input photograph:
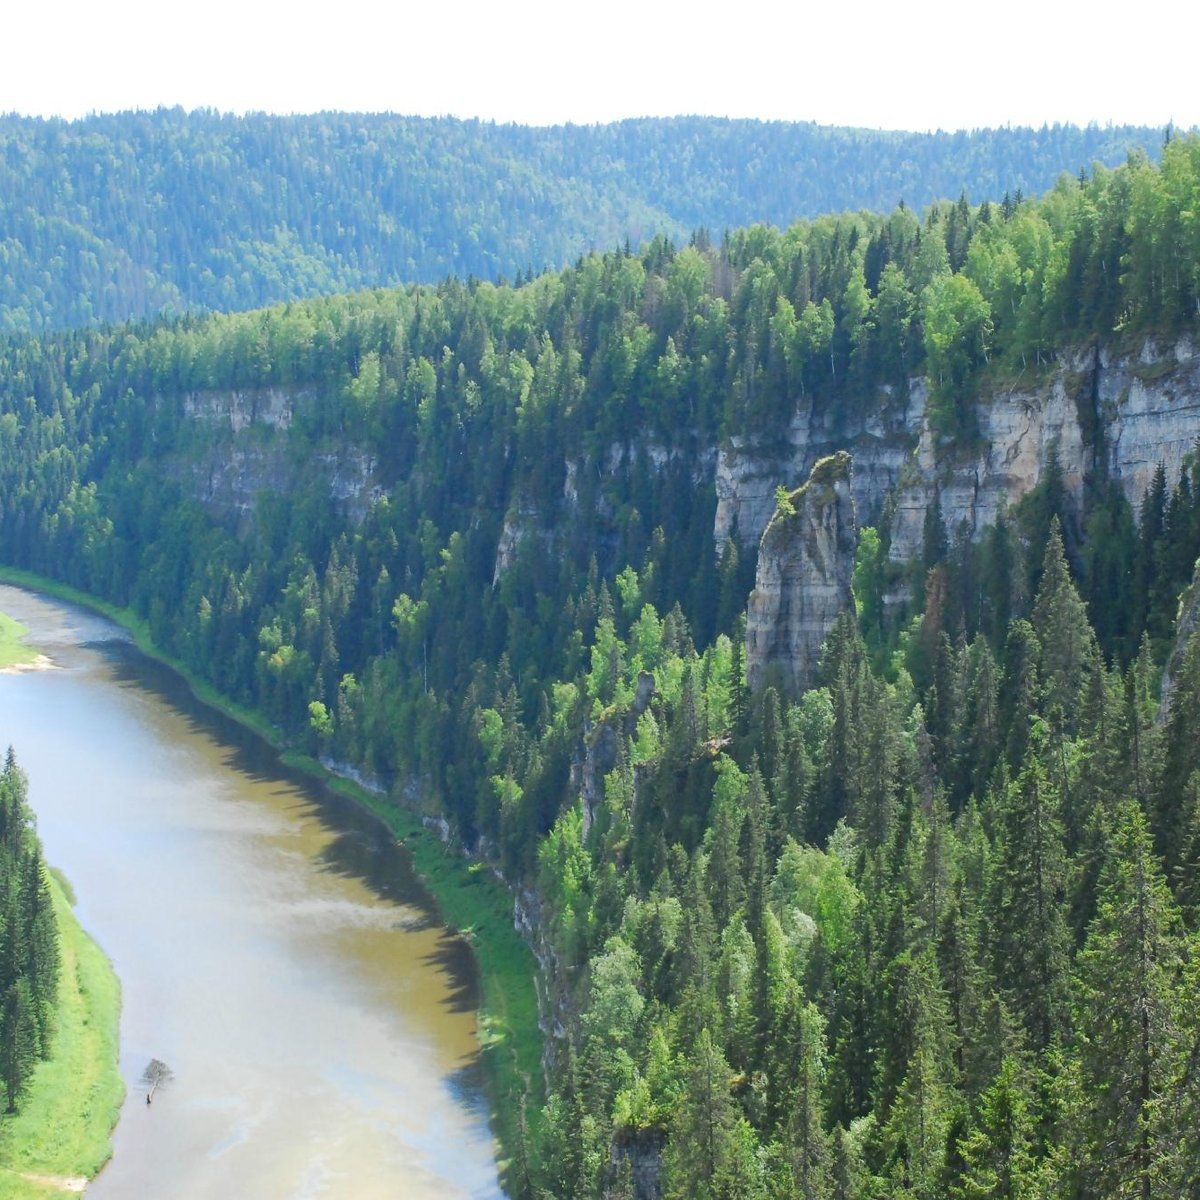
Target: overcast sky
point(881, 65)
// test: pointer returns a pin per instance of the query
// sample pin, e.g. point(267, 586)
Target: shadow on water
point(370, 855)
point(468, 1086)
point(449, 958)
point(361, 848)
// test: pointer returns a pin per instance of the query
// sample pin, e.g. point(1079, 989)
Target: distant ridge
point(137, 214)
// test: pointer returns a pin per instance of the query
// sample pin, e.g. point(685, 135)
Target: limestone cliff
point(242, 408)
point(805, 568)
point(597, 751)
point(246, 454)
point(597, 488)
point(881, 439)
point(1117, 411)
point(1112, 410)
point(1098, 410)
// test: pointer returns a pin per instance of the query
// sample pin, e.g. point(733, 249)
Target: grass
point(64, 1127)
point(468, 896)
point(13, 650)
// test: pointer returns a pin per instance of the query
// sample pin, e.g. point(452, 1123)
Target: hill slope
point(930, 928)
point(136, 214)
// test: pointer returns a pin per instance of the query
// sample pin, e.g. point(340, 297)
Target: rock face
point(598, 749)
point(230, 480)
point(1097, 411)
point(246, 454)
point(1101, 409)
point(1119, 412)
point(803, 581)
point(881, 441)
point(640, 1152)
point(244, 407)
point(520, 522)
point(525, 519)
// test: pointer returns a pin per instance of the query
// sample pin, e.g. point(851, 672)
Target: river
point(274, 948)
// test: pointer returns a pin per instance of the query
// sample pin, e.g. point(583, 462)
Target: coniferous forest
point(28, 940)
point(924, 927)
point(137, 214)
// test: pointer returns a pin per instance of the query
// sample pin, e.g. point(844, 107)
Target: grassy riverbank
point(13, 650)
point(62, 1135)
point(469, 897)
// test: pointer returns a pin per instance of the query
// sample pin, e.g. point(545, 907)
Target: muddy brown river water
point(274, 947)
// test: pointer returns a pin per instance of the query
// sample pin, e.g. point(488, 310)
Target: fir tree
point(998, 1152)
point(1031, 941)
point(1068, 646)
point(1127, 1012)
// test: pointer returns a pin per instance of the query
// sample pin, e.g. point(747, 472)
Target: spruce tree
point(1031, 942)
point(920, 1111)
point(709, 1154)
point(976, 726)
point(808, 1142)
point(1127, 1013)
point(1020, 691)
point(998, 1151)
point(1180, 760)
point(1182, 1109)
point(1068, 647)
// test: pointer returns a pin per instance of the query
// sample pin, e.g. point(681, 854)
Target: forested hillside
point(137, 214)
point(926, 928)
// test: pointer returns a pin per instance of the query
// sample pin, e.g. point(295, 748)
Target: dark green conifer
point(1031, 942)
point(998, 1151)
point(1127, 1013)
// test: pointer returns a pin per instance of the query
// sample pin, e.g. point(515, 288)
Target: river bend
point(274, 947)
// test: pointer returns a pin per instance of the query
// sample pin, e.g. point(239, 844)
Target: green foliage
point(13, 649)
point(958, 331)
point(1128, 1049)
point(29, 953)
point(140, 214)
point(852, 945)
point(65, 1122)
point(869, 585)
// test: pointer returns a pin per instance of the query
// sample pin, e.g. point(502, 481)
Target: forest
point(927, 928)
point(29, 957)
point(139, 214)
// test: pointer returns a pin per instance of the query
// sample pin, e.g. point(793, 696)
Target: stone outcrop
point(1097, 410)
point(246, 454)
point(525, 520)
point(881, 441)
point(803, 581)
point(229, 480)
point(520, 522)
point(597, 751)
point(639, 1154)
point(243, 407)
point(1100, 409)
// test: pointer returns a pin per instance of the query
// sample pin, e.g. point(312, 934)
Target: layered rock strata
point(803, 580)
point(1104, 410)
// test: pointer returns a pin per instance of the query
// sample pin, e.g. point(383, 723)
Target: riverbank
point(13, 650)
point(62, 1135)
point(469, 898)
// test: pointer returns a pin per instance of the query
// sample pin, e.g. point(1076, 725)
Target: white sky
point(941, 64)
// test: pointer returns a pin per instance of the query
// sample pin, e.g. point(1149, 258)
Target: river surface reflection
point(273, 944)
